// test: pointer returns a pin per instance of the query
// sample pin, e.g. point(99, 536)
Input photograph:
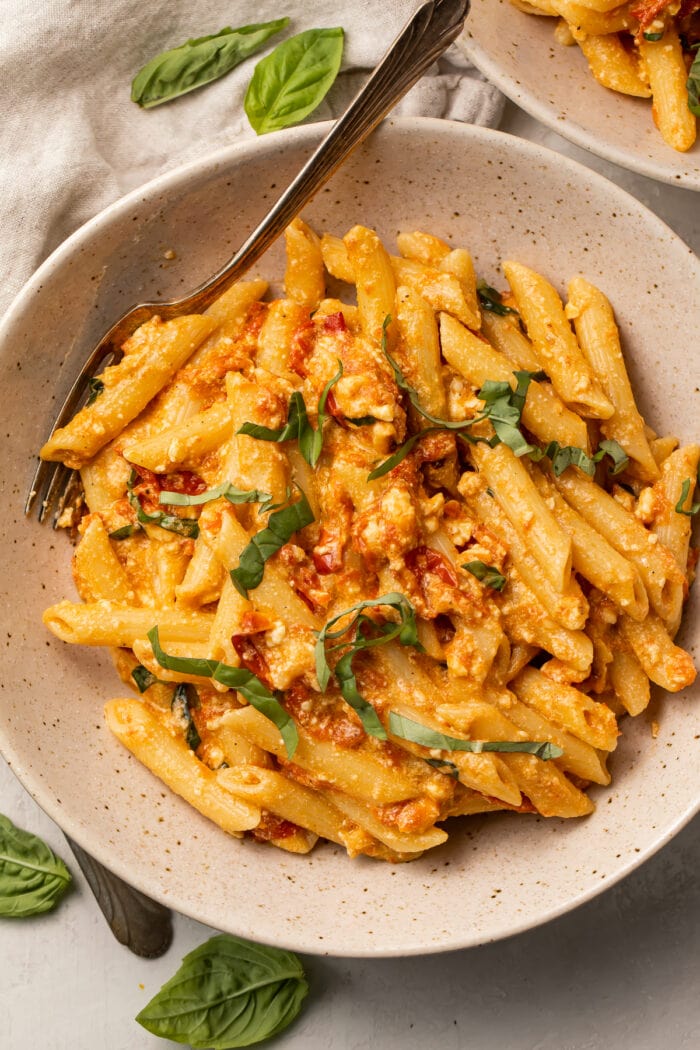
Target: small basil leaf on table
point(293, 80)
point(228, 993)
point(198, 62)
point(32, 878)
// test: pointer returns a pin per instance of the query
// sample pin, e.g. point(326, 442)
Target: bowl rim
point(569, 128)
point(163, 183)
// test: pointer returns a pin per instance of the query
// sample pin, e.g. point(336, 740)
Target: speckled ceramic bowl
point(518, 52)
point(503, 198)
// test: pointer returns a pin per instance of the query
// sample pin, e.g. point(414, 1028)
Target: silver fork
point(426, 35)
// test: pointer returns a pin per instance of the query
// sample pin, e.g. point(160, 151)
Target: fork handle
point(420, 43)
point(139, 923)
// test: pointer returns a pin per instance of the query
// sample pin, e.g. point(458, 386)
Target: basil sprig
point(364, 633)
point(693, 84)
point(281, 526)
point(228, 491)
point(184, 700)
point(227, 993)
point(488, 574)
point(197, 62)
point(491, 300)
point(407, 729)
point(298, 426)
point(694, 507)
point(293, 80)
point(32, 878)
point(169, 522)
point(244, 682)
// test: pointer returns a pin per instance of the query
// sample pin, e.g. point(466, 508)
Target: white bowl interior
point(518, 52)
point(503, 198)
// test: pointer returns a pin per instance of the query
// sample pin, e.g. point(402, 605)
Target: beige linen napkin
point(72, 142)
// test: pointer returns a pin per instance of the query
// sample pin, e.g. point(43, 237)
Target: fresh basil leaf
point(403, 384)
point(311, 441)
point(491, 300)
point(32, 878)
point(144, 678)
point(503, 408)
point(347, 682)
point(488, 574)
point(297, 419)
point(407, 729)
point(366, 635)
point(693, 84)
point(361, 421)
point(228, 491)
point(281, 526)
point(694, 507)
point(445, 766)
point(181, 705)
point(399, 456)
point(564, 456)
point(125, 531)
point(244, 682)
point(298, 426)
point(227, 993)
point(198, 62)
point(95, 386)
point(617, 454)
point(293, 80)
point(169, 522)
point(653, 36)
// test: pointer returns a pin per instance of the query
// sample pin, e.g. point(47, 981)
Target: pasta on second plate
point(641, 48)
point(373, 566)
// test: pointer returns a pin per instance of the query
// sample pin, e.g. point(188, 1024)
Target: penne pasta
point(391, 578)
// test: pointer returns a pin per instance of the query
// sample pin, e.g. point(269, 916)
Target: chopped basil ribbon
point(694, 507)
point(281, 526)
point(181, 705)
point(169, 522)
point(238, 678)
point(125, 531)
point(144, 678)
point(228, 491)
point(503, 407)
point(95, 386)
point(445, 766)
point(491, 300)
point(488, 574)
point(407, 729)
point(405, 631)
point(566, 456)
point(298, 426)
point(198, 62)
point(693, 83)
point(293, 80)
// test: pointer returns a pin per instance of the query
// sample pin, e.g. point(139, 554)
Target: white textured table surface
point(620, 972)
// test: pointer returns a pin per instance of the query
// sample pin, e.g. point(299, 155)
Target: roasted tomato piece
point(422, 560)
